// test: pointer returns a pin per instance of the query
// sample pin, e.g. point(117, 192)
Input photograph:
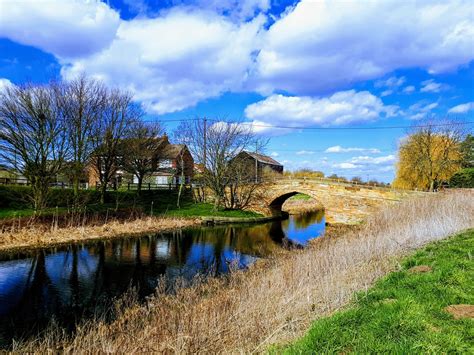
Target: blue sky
point(272, 63)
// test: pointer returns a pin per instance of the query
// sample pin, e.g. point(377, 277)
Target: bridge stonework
point(343, 203)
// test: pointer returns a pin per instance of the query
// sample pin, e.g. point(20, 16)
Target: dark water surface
point(70, 283)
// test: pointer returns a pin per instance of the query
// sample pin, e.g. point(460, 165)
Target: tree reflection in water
point(72, 283)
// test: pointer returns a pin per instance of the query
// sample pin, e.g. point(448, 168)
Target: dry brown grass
point(277, 299)
point(41, 235)
point(301, 206)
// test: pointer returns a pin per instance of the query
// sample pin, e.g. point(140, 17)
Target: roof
point(171, 151)
point(263, 158)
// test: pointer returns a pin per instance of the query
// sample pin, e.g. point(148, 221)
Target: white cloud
point(366, 160)
point(345, 166)
point(305, 152)
point(4, 83)
point(65, 28)
point(339, 149)
point(237, 9)
point(463, 108)
point(368, 164)
point(176, 60)
point(340, 108)
point(421, 110)
point(392, 82)
point(386, 93)
point(200, 49)
point(321, 46)
point(432, 86)
point(409, 89)
point(274, 154)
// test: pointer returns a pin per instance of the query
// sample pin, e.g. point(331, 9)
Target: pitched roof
point(263, 158)
point(171, 151)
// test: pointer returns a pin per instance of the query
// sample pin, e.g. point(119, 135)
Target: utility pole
point(256, 164)
point(204, 158)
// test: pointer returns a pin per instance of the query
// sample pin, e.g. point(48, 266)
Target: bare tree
point(214, 147)
point(33, 136)
point(82, 102)
point(141, 149)
point(115, 120)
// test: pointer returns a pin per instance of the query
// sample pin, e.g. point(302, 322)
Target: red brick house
point(170, 161)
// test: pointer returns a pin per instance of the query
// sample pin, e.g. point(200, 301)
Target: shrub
point(463, 178)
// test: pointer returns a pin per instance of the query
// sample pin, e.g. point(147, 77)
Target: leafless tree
point(141, 149)
point(214, 146)
point(82, 102)
point(33, 137)
point(116, 118)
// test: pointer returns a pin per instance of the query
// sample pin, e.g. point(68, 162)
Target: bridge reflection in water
point(72, 283)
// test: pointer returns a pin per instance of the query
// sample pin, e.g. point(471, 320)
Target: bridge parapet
point(343, 202)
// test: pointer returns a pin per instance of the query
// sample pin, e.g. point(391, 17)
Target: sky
point(315, 76)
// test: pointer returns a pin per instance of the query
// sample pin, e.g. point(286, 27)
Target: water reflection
point(70, 283)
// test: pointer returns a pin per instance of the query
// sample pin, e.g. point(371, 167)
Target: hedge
point(463, 178)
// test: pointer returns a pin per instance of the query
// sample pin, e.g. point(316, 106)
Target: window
point(165, 163)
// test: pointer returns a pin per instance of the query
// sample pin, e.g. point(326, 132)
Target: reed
point(275, 300)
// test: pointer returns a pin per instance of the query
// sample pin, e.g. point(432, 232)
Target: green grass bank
point(15, 202)
point(404, 312)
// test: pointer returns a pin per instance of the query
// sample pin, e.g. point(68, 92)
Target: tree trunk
point(103, 191)
point(140, 183)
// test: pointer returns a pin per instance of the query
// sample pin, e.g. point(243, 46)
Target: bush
point(463, 178)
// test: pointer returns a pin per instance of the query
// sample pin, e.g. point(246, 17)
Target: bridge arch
point(277, 201)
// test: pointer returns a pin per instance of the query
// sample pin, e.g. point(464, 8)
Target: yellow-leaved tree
point(429, 156)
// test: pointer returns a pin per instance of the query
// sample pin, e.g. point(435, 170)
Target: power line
point(319, 128)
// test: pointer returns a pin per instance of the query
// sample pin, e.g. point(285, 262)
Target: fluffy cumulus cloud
point(175, 57)
point(323, 45)
point(463, 108)
point(340, 108)
point(339, 149)
point(66, 28)
point(176, 60)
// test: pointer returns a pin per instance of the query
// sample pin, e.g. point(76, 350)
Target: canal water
point(68, 284)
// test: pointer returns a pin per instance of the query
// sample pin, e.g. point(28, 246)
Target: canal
point(71, 283)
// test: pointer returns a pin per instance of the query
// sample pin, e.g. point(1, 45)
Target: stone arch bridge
point(343, 202)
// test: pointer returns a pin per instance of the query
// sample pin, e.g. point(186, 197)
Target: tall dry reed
point(277, 299)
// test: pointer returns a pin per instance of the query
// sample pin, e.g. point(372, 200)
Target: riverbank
point(409, 311)
point(35, 236)
point(277, 299)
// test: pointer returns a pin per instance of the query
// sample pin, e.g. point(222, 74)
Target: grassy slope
point(403, 312)
point(163, 204)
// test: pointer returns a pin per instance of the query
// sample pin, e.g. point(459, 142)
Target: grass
point(300, 196)
point(276, 300)
point(207, 209)
point(159, 204)
point(404, 312)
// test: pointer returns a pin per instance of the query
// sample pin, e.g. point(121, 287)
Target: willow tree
point(429, 156)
